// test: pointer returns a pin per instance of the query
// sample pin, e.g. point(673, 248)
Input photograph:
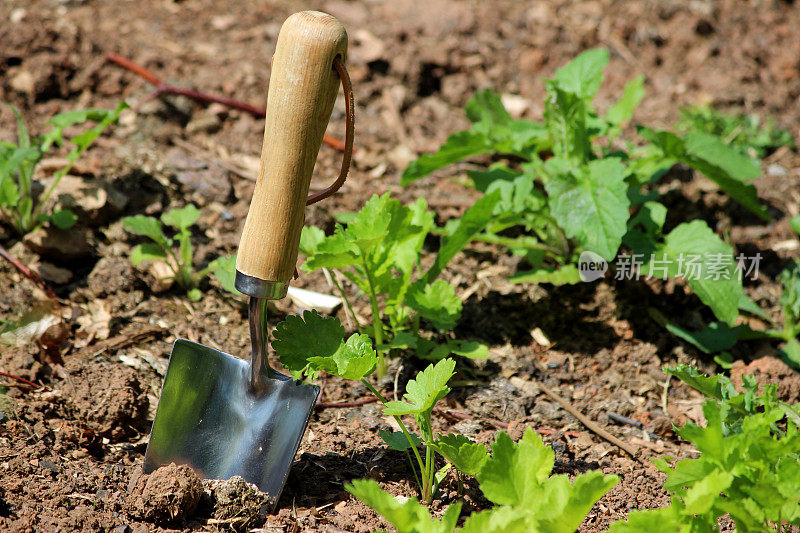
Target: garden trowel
point(219, 414)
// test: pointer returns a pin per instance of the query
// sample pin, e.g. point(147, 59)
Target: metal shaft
point(259, 340)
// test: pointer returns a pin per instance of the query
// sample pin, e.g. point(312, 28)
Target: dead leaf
point(94, 324)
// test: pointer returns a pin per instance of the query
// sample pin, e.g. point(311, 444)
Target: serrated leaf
point(149, 251)
point(310, 238)
point(592, 207)
point(407, 517)
point(181, 218)
point(397, 440)
point(514, 473)
point(335, 251)
point(566, 503)
point(667, 520)
point(622, 110)
point(144, 225)
point(466, 456)
point(501, 519)
point(471, 223)
point(457, 147)
point(718, 387)
point(299, 338)
point(424, 391)
point(63, 218)
point(9, 193)
point(564, 275)
point(354, 359)
point(693, 251)
point(436, 302)
point(702, 495)
point(583, 75)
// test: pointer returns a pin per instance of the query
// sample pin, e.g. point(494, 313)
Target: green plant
point(309, 344)
point(718, 337)
point(745, 133)
point(180, 260)
point(748, 467)
point(21, 205)
point(379, 251)
point(516, 478)
point(572, 184)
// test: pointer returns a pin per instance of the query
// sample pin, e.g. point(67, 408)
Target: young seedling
point(309, 344)
point(379, 251)
point(572, 184)
point(180, 260)
point(21, 206)
point(516, 478)
point(748, 467)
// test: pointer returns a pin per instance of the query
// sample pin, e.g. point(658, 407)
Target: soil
point(71, 452)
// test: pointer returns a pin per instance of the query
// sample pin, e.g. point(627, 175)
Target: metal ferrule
point(261, 288)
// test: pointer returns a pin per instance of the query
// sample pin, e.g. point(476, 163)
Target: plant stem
point(347, 305)
point(377, 325)
point(421, 464)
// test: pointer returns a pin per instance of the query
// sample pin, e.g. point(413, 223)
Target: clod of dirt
point(500, 400)
point(237, 503)
point(59, 244)
point(169, 494)
point(110, 400)
point(769, 370)
point(93, 201)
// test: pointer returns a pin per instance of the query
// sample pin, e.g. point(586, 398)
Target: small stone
point(59, 244)
point(23, 82)
point(17, 15)
point(51, 272)
point(515, 104)
point(776, 170)
point(204, 124)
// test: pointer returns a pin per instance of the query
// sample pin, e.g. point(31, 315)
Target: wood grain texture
point(302, 89)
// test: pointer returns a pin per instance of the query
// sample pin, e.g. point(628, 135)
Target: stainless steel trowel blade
point(207, 418)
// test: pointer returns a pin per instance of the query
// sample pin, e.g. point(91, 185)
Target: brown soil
point(71, 452)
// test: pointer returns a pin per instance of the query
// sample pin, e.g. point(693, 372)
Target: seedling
point(572, 184)
point(516, 478)
point(309, 344)
point(21, 205)
point(745, 133)
point(179, 259)
point(379, 251)
point(748, 467)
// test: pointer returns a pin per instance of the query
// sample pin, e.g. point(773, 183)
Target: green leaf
point(457, 147)
point(692, 250)
point(436, 302)
point(592, 207)
point(712, 150)
point(354, 359)
point(717, 387)
point(501, 519)
point(310, 238)
point(63, 218)
point(700, 498)
point(224, 270)
point(468, 349)
point(564, 275)
point(667, 520)
point(194, 295)
point(486, 111)
point(148, 252)
point(714, 338)
point(181, 218)
point(407, 517)
point(514, 473)
point(424, 391)
point(466, 456)
point(299, 338)
point(583, 75)
point(397, 440)
point(144, 225)
point(9, 193)
point(622, 110)
point(794, 223)
point(566, 504)
point(474, 220)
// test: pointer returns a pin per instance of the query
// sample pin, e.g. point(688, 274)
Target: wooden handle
point(302, 90)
